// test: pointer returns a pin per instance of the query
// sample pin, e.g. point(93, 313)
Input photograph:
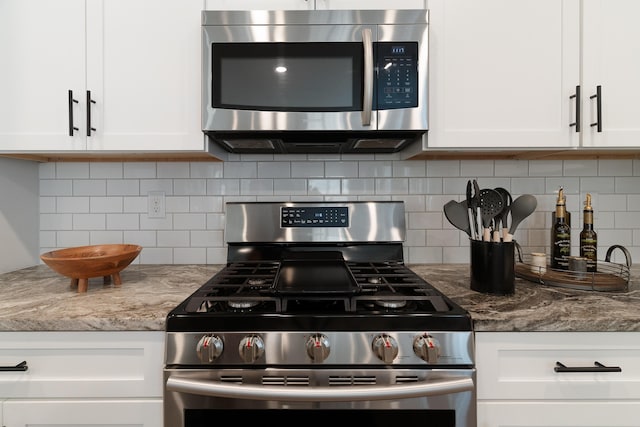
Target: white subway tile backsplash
point(89, 221)
point(68, 170)
point(173, 170)
point(189, 187)
point(629, 185)
point(123, 221)
point(56, 221)
point(72, 205)
point(110, 170)
point(100, 237)
point(56, 187)
point(86, 187)
point(189, 221)
point(274, 170)
point(106, 202)
point(140, 170)
point(173, 239)
point(66, 239)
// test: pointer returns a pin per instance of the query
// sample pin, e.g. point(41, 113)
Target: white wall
point(95, 203)
point(19, 214)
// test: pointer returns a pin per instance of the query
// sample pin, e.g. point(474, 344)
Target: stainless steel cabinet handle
point(318, 394)
point(89, 102)
point(598, 96)
point(22, 366)
point(599, 367)
point(577, 97)
point(71, 102)
point(367, 95)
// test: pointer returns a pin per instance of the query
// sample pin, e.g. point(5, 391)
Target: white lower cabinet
point(82, 378)
point(519, 386)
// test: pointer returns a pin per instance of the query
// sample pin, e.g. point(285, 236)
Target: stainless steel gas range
point(315, 313)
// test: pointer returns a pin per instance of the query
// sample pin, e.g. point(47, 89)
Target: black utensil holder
point(493, 267)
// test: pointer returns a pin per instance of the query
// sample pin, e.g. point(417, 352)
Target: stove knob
point(318, 347)
point(251, 348)
point(385, 348)
point(209, 348)
point(426, 348)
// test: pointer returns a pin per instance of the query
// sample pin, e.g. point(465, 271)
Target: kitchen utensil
point(471, 212)
point(458, 215)
point(504, 228)
point(477, 214)
point(521, 207)
point(84, 262)
point(491, 204)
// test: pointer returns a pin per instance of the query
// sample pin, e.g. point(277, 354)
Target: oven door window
point(287, 76)
point(291, 418)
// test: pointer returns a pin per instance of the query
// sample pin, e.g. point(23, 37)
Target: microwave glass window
point(287, 76)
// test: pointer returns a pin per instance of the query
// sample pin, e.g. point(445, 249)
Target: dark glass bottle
point(589, 238)
point(561, 236)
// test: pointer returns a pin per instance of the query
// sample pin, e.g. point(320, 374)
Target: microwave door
point(289, 78)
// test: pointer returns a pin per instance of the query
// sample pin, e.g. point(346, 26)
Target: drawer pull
point(22, 366)
point(599, 367)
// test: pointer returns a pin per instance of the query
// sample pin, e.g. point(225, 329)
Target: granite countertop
point(38, 299)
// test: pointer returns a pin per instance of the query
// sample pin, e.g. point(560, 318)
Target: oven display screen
point(314, 216)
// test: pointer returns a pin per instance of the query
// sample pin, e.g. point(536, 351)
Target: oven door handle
point(315, 394)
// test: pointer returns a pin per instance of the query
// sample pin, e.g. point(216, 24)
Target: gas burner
point(256, 281)
point(391, 304)
point(242, 304)
point(376, 280)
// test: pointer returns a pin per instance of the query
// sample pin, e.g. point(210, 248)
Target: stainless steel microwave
point(317, 81)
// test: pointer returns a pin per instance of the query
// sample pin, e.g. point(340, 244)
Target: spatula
point(522, 207)
point(491, 204)
point(458, 215)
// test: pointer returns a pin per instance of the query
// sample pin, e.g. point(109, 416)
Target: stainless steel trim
point(314, 394)
point(367, 96)
point(370, 222)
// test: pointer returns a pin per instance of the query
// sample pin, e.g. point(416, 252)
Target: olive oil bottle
point(560, 235)
point(588, 237)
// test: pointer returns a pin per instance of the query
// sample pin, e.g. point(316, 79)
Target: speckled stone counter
point(38, 299)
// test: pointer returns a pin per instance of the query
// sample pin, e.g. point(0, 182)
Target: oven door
point(442, 397)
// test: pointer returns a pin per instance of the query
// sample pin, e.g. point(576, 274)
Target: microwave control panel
point(397, 65)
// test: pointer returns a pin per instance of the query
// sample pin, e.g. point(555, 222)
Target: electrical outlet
point(155, 200)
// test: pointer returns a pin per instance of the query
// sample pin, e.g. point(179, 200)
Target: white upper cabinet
point(132, 66)
point(611, 43)
point(42, 43)
point(259, 4)
point(502, 73)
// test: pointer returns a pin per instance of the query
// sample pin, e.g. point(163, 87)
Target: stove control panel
point(314, 216)
point(327, 348)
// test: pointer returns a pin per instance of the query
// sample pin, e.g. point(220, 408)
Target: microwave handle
point(367, 96)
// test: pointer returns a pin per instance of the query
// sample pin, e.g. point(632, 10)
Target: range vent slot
point(351, 380)
point(231, 379)
point(406, 379)
point(285, 381)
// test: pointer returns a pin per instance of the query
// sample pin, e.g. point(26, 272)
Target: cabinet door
point(83, 413)
point(501, 73)
point(43, 57)
point(611, 45)
point(559, 413)
point(369, 4)
point(143, 71)
point(260, 4)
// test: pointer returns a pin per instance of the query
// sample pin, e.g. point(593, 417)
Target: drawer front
point(521, 365)
point(82, 364)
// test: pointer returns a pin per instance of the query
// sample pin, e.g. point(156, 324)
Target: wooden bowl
point(83, 262)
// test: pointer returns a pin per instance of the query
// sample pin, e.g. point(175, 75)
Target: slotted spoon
point(491, 204)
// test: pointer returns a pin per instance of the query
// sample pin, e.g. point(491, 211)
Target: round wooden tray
point(83, 262)
point(608, 277)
